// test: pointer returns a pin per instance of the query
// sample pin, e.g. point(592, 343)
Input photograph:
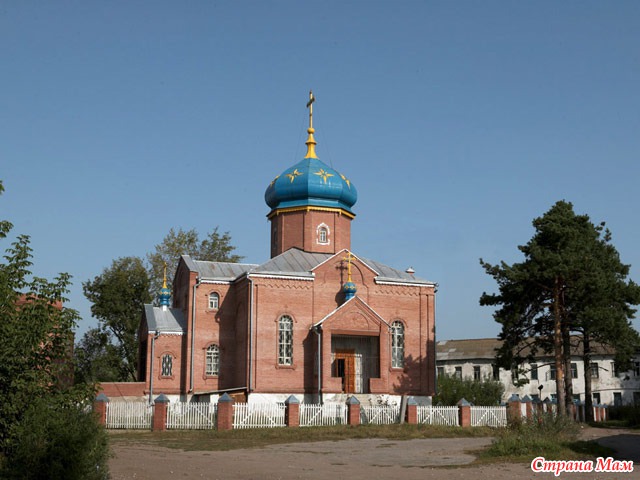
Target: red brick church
point(315, 320)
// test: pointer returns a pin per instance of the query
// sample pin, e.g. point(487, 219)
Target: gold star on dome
point(292, 176)
point(274, 181)
point(346, 180)
point(323, 174)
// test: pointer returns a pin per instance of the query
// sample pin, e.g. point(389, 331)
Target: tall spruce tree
point(551, 294)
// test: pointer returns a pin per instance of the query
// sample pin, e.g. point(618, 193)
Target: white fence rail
point(258, 415)
point(314, 415)
point(130, 415)
point(430, 415)
point(488, 416)
point(379, 414)
point(192, 415)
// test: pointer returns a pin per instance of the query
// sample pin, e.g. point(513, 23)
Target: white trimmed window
point(397, 344)
point(323, 234)
point(167, 365)
point(214, 301)
point(212, 364)
point(285, 340)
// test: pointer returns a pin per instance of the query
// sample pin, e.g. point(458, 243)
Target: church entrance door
point(344, 365)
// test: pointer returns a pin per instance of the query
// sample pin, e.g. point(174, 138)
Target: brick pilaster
point(100, 408)
point(292, 411)
point(464, 413)
point(353, 411)
point(412, 412)
point(160, 408)
point(224, 419)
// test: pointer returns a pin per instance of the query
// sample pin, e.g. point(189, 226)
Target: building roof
point(169, 321)
point(485, 348)
point(292, 263)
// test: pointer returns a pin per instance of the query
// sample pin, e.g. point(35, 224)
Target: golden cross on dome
point(348, 258)
point(311, 142)
point(164, 281)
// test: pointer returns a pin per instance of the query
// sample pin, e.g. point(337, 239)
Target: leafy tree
point(97, 359)
point(452, 389)
point(118, 296)
point(36, 337)
point(215, 247)
point(551, 293)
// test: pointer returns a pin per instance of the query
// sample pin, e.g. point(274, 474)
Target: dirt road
point(353, 459)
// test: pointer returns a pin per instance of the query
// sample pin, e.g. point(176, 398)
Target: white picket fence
point(488, 416)
point(130, 415)
point(314, 415)
point(258, 415)
point(192, 415)
point(379, 414)
point(430, 415)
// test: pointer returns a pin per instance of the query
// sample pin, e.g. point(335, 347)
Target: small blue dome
point(349, 289)
point(311, 182)
point(165, 297)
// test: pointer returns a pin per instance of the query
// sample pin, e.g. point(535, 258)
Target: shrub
point(629, 415)
point(55, 441)
point(484, 392)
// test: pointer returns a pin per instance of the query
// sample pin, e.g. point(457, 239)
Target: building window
point(515, 374)
point(323, 234)
point(214, 301)
point(576, 398)
point(440, 371)
point(534, 371)
point(574, 370)
point(636, 369)
point(596, 398)
point(167, 365)
point(285, 340)
point(496, 372)
point(595, 370)
point(397, 344)
point(476, 372)
point(212, 363)
point(614, 372)
point(617, 399)
point(458, 373)
point(552, 372)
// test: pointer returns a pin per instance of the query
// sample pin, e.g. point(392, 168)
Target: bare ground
point(354, 459)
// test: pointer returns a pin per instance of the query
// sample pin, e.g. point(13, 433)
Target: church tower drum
point(310, 204)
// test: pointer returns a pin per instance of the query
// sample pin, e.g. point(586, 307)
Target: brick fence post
point(412, 412)
point(528, 407)
point(464, 413)
point(514, 409)
point(353, 411)
point(160, 408)
point(100, 407)
point(224, 419)
point(292, 411)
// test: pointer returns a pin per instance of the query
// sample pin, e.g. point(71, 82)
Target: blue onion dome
point(310, 182)
point(349, 289)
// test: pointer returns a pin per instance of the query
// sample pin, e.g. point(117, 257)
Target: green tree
point(118, 296)
point(549, 295)
point(97, 359)
point(36, 337)
point(215, 247)
point(451, 390)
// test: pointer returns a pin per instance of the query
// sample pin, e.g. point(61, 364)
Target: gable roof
point(352, 300)
point(169, 321)
point(293, 263)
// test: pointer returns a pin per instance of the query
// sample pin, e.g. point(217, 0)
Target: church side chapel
point(316, 320)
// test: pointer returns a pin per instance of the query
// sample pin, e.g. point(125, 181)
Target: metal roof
point(485, 348)
point(293, 262)
point(170, 320)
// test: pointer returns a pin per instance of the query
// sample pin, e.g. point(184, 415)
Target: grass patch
point(554, 438)
point(212, 440)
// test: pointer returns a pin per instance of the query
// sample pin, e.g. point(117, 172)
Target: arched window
point(212, 364)
point(167, 365)
point(397, 344)
point(214, 301)
point(323, 234)
point(285, 340)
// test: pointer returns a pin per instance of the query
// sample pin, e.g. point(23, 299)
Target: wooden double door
point(344, 365)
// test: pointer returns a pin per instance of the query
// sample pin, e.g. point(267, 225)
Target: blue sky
point(459, 122)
